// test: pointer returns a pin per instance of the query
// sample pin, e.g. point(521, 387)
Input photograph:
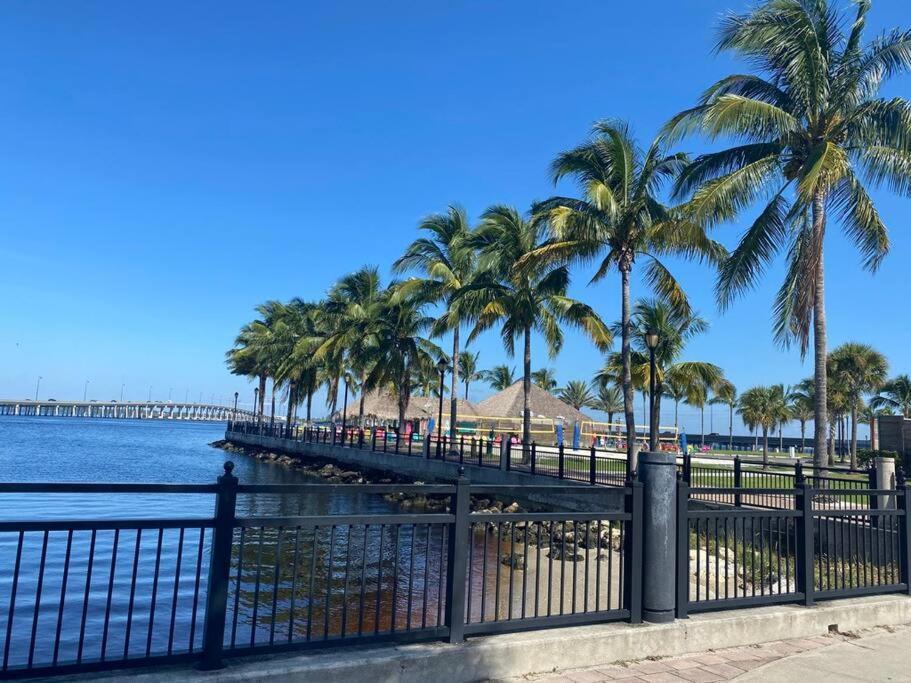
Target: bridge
point(128, 410)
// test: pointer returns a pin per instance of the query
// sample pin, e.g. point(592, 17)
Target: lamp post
point(345, 407)
point(442, 365)
point(236, 394)
point(255, 399)
point(37, 385)
point(652, 339)
point(122, 387)
point(85, 391)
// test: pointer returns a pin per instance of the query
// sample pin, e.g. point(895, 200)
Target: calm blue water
point(163, 591)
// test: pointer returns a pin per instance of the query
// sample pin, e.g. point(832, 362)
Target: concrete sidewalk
point(883, 655)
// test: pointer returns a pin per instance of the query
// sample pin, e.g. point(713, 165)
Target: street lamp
point(345, 407)
point(37, 384)
point(652, 339)
point(442, 366)
point(85, 391)
point(236, 394)
point(255, 400)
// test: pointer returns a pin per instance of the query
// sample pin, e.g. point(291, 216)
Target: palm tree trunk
point(526, 391)
point(702, 425)
point(360, 409)
point(765, 447)
point(820, 399)
point(627, 380)
point(454, 400)
point(405, 396)
point(262, 396)
point(780, 437)
point(677, 416)
point(731, 428)
point(831, 460)
point(655, 417)
point(854, 436)
point(272, 416)
point(466, 388)
point(803, 434)
point(292, 399)
point(309, 405)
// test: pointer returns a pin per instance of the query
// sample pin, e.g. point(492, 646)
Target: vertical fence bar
point(533, 456)
point(738, 481)
point(560, 462)
point(592, 469)
point(683, 547)
point(457, 559)
point(219, 569)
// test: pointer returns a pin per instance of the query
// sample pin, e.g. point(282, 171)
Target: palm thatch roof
point(509, 402)
point(383, 405)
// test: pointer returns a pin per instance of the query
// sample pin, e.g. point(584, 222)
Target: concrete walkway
point(876, 655)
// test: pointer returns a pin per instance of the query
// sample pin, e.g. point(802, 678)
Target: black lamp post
point(236, 395)
point(345, 407)
point(442, 365)
point(651, 341)
point(255, 402)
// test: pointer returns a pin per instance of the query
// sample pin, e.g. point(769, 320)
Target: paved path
point(877, 655)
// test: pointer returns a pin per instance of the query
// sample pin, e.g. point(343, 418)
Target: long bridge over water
point(128, 410)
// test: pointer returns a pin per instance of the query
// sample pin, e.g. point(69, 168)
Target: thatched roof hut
point(543, 404)
point(383, 406)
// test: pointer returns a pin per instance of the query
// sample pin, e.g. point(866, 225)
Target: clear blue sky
point(166, 166)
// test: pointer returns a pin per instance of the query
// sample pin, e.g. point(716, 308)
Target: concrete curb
point(516, 654)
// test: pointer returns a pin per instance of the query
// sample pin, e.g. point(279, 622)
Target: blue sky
point(166, 166)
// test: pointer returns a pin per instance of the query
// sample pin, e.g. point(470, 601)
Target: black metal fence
point(824, 547)
point(91, 594)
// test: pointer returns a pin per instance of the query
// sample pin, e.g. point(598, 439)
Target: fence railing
point(823, 547)
point(91, 594)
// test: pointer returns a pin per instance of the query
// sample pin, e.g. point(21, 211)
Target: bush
point(865, 456)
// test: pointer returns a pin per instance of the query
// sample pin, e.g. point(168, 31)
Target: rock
point(513, 508)
point(568, 556)
point(514, 560)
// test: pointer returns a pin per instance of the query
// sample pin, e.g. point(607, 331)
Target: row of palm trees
point(806, 128)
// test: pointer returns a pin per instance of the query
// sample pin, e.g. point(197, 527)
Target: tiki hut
point(544, 405)
point(381, 407)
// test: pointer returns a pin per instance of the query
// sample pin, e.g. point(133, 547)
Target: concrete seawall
point(602, 498)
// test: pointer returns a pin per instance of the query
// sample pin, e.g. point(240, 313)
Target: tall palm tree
point(609, 400)
point(400, 345)
point(499, 377)
point(677, 390)
point(254, 351)
point(800, 405)
point(759, 408)
point(780, 400)
point(807, 125)
point(468, 369)
point(523, 297)
point(577, 393)
point(350, 316)
point(862, 370)
point(545, 378)
point(620, 219)
point(447, 260)
point(895, 394)
point(726, 395)
point(697, 398)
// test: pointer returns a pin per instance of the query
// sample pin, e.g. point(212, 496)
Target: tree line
point(803, 132)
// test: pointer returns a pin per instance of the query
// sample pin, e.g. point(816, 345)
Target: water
point(164, 591)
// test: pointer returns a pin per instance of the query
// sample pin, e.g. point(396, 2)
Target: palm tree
point(499, 377)
point(609, 399)
point(400, 346)
point(254, 352)
point(545, 378)
point(448, 262)
point(468, 369)
point(521, 297)
point(862, 370)
point(726, 394)
point(895, 394)
point(620, 219)
point(697, 398)
point(350, 316)
point(800, 405)
point(759, 408)
point(780, 400)
point(677, 390)
point(577, 393)
point(805, 125)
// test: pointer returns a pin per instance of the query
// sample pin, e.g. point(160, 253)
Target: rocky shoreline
point(333, 474)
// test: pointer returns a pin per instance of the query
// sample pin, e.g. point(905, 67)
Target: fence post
point(533, 456)
point(902, 491)
point(457, 560)
point(632, 590)
point(461, 449)
point(683, 548)
point(804, 546)
point(871, 483)
point(219, 570)
point(738, 481)
point(658, 474)
point(592, 471)
point(373, 439)
point(508, 451)
point(560, 462)
point(688, 468)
